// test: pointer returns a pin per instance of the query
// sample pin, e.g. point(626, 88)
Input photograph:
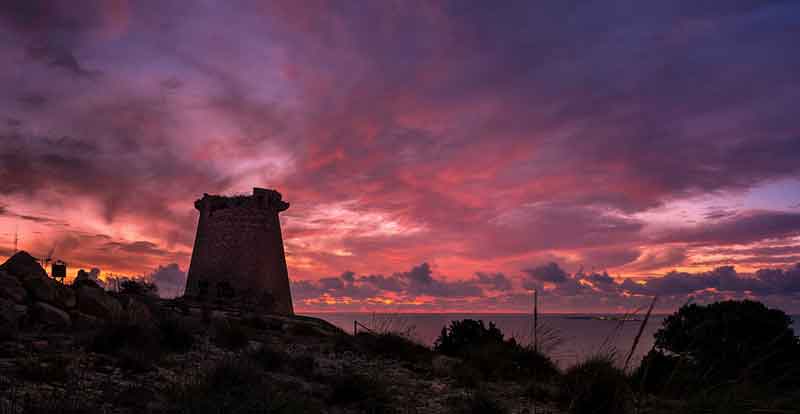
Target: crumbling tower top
point(262, 198)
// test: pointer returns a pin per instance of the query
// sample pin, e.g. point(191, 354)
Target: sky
point(438, 155)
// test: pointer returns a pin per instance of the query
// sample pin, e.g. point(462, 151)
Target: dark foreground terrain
point(79, 348)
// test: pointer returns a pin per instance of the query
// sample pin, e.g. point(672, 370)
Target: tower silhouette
point(238, 254)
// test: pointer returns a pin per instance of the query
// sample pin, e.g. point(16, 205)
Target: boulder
point(23, 265)
point(96, 302)
point(50, 315)
point(11, 289)
point(34, 280)
point(44, 289)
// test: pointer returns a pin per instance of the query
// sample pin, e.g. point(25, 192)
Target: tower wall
point(238, 251)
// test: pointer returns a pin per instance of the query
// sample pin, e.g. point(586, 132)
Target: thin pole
point(536, 320)
point(535, 346)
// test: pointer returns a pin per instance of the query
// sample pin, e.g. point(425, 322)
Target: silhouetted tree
point(724, 341)
point(134, 287)
point(487, 352)
point(466, 334)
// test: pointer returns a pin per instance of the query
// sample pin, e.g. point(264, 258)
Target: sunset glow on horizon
point(438, 156)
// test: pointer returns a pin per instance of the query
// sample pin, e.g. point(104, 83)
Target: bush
point(490, 354)
point(659, 373)
point(730, 340)
point(230, 335)
point(137, 347)
point(466, 334)
point(134, 287)
point(595, 386)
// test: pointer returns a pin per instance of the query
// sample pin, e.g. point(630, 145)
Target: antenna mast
point(16, 239)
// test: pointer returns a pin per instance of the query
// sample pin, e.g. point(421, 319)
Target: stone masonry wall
point(238, 253)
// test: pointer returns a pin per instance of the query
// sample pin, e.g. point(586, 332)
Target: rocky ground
point(79, 348)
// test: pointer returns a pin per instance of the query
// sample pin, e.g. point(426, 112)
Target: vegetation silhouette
point(732, 356)
point(725, 341)
point(595, 386)
point(486, 352)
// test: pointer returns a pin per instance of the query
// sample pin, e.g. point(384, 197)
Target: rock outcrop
point(23, 265)
point(51, 316)
point(11, 288)
point(11, 315)
point(29, 297)
point(47, 290)
point(96, 302)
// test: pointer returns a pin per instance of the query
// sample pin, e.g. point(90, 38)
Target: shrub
point(596, 386)
point(662, 374)
point(137, 347)
point(466, 334)
point(230, 335)
point(490, 354)
point(85, 281)
point(134, 287)
point(730, 340)
point(530, 362)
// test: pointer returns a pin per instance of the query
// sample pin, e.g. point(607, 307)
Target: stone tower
point(238, 251)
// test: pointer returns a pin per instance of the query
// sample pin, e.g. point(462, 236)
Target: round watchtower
point(238, 254)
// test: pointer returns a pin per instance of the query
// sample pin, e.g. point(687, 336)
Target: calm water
point(581, 335)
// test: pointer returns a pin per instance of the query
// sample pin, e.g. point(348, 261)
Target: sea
point(567, 338)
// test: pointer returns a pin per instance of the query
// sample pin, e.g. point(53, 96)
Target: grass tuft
point(596, 386)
